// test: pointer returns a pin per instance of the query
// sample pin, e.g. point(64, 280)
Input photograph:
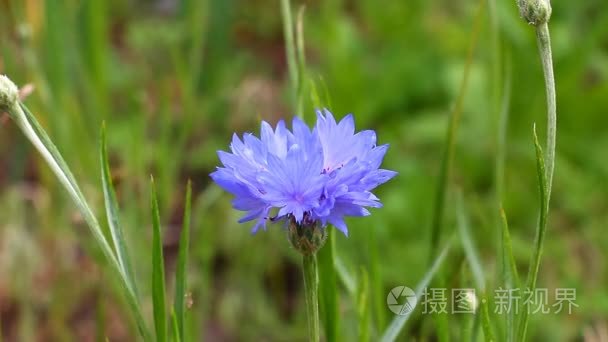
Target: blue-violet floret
point(320, 176)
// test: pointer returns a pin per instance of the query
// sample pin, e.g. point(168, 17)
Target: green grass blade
point(501, 137)
point(469, 246)
point(486, 322)
point(28, 124)
point(377, 290)
point(301, 60)
point(476, 267)
point(450, 140)
point(328, 293)
point(398, 322)
point(510, 273)
point(363, 309)
point(290, 48)
point(112, 213)
point(174, 324)
point(158, 271)
point(179, 303)
point(540, 234)
point(510, 276)
point(345, 276)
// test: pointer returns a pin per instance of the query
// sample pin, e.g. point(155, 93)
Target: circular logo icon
point(401, 300)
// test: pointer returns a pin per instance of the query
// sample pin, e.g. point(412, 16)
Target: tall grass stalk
point(30, 127)
point(158, 271)
point(179, 302)
point(510, 276)
point(450, 141)
point(290, 48)
point(111, 204)
point(398, 323)
point(476, 268)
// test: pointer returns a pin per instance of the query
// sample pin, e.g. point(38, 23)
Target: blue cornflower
point(308, 177)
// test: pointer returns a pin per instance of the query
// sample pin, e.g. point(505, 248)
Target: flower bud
point(535, 12)
point(9, 94)
point(307, 237)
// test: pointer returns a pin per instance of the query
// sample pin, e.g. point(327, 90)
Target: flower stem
point(545, 167)
point(309, 265)
point(544, 49)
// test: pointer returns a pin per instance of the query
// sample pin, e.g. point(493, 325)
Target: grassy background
point(173, 80)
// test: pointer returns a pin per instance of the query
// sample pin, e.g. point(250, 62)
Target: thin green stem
point(309, 265)
point(30, 127)
point(290, 47)
point(540, 235)
point(301, 61)
point(450, 141)
point(544, 49)
point(546, 164)
point(501, 148)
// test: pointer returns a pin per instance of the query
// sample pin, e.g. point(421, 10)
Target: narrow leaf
point(469, 246)
point(363, 306)
point(179, 303)
point(345, 276)
point(475, 263)
point(290, 48)
point(450, 140)
point(158, 272)
point(111, 204)
point(41, 141)
point(301, 60)
point(540, 234)
point(174, 325)
point(510, 276)
point(399, 321)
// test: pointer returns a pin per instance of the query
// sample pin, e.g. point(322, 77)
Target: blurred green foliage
point(174, 79)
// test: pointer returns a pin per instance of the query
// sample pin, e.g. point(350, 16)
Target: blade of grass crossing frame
point(158, 271)
point(486, 323)
point(174, 325)
point(397, 324)
point(377, 291)
point(468, 245)
point(290, 48)
point(179, 303)
point(510, 277)
point(41, 141)
point(301, 60)
point(476, 267)
point(363, 309)
point(450, 140)
point(540, 234)
point(345, 276)
point(112, 213)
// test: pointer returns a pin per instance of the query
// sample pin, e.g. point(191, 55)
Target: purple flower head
point(306, 176)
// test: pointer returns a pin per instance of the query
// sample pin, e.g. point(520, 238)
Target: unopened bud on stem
point(535, 12)
point(307, 237)
point(9, 94)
